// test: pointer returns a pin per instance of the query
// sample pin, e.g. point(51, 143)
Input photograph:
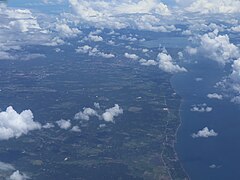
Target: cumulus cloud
point(15, 125)
point(21, 27)
point(235, 28)
point(166, 63)
point(150, 62)
point(76, 129)
point(6, 167)
point(191, 50)
point(201, 108)
point(66, 31)
point(48, 126)
point(97, 105)
point(205, 133)
point(86, 114)
point(93, 51)
point(231, 83)
point(18, 176)
point(215, 6)
point(64, 124)
point(215, 96)
point(131, 56)
point(218, 47)
point(110, 113)
point(95, 38)
point(143, 14)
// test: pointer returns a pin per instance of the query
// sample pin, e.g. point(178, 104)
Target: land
point(139, 145)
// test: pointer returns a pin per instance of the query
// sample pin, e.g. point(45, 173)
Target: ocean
point(213, 157)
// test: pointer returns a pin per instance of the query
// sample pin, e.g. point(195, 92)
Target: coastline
point(174, 122)
point(176, 136)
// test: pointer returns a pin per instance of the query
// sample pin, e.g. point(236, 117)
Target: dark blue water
point(199, 153)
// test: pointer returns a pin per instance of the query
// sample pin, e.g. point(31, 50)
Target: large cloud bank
point(143, 14)
point(215, 6)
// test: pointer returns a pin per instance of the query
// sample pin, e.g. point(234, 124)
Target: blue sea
point(214, 157)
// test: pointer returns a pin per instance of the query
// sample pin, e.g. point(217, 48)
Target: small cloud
point(48, 126)
point(102, 125)
point(111, 113)
point(201, 108)
point(166, 63)
point(150, 62)
point(180, 55)
point(215, 96)
point(205, 133)
point(131, 56)
point(97, 105)
point(18, 176)
point(95, 38)
point(6, 167)
point(214, 166)
point(108, 114)
point(76, 129)
point(93, 51)
point(64, 124)
point(198, 79)
point(86, 114)
point(191, 50)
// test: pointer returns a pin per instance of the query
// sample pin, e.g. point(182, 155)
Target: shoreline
point(179, 126)
point(176, 137)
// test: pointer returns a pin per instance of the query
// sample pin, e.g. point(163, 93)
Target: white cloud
point(150, 62)
point(95, 38)
point(84, 49)
point(21, 27)
point(205, 133)
point(236, 99)
point(76, 129)
point(215, 96)
point(143, 14)
point(48, 126)
point(106, 55)
point(180, 55)
point(111, 113)
point(235, 75)
point(198, 79)
point(191, 50)
point(64, 124)
point(201, 108)
point(93, 52)
point(166, 63)
point(66, 31)
point(215, 6)
point(131, 56)
point(18, 176)
point(231, 83)
point(6, 167)
point(108, 114)
point(86, 114)
point(218, 47)
point(235, 28)
point(15, 125)
point(97, 105)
